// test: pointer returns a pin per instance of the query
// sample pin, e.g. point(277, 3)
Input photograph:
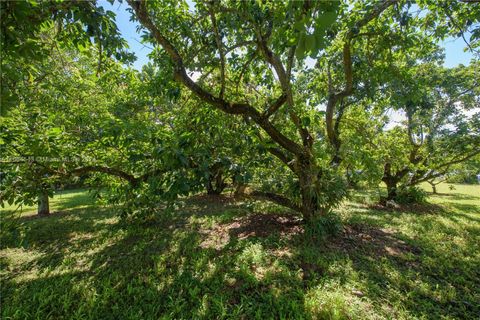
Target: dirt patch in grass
point(255, 225)
point(378, 241)
point(214, 199)
point(353, 239)
point(263, 225)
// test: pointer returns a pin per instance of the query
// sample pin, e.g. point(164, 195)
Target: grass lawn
point(62, 200)
point(217, 258)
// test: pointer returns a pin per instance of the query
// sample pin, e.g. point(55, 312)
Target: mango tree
point(245, 53)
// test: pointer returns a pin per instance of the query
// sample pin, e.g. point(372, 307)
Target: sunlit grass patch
point(333, 301)
point(61, 201)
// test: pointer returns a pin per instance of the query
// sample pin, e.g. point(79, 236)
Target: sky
point(128, 30)
point(454, 48)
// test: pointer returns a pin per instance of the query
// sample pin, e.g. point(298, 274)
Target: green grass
point(62, 200)
point(215, 258)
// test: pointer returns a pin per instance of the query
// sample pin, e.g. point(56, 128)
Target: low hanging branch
point(111, 171)
point(440, 170)
point(134, 181)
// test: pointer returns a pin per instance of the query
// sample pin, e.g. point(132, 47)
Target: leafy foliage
point(410, 195)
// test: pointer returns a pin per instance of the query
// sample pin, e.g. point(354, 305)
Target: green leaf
point(300, 51)
point(54, 131)
point(306, 121)
point(325, 20)
point(309, 43)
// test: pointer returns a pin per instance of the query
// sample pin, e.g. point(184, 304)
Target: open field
point(220, 258)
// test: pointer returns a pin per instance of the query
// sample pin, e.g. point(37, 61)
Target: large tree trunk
point(309, 205)
point(308, 175)
point(434, 187)
point(43, 203)
point(391, 189)
point(391, 182)
point(216, 182)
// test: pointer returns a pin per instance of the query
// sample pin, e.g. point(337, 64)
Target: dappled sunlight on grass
point(216, 258)
point(334, 301)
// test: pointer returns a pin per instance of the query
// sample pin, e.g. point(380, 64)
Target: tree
point(437, 133)
point(466, 172)
point(73, 121)
point(229, 37)
point(30, 29)
point(45, 138)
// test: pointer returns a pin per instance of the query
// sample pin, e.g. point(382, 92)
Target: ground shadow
point(454, 196)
